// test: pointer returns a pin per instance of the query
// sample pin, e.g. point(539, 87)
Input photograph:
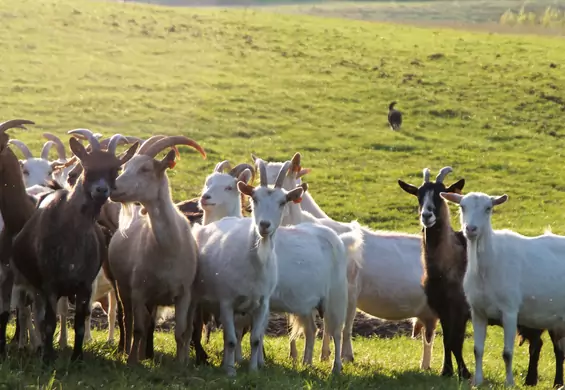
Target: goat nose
point(102, 190)
point(426, 215)
point(264, 224)
point(471, 228)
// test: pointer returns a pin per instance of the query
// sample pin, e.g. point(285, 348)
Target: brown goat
point(154, 262)
point(60, 249)
point(16, 208)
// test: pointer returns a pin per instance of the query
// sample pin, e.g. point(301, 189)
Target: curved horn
point(115, 140)
point(282, 174)
point(167, 142)
point(442, 173)
point(89, 135)
point(15, 123)
point(148, 142)
point(23, 147)
point(46, 148)
point(236, 171)
point(61, 151)
point(262, 172)
point(221, 166)
point(426, 173)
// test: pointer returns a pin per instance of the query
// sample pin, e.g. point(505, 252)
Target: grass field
point(241, 81)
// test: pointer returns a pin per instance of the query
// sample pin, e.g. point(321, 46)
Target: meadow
point(242, 81)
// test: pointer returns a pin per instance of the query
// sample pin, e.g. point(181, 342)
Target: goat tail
point(391, 106)
point(354, 244)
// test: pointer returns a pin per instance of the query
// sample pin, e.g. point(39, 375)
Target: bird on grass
point(394, 117)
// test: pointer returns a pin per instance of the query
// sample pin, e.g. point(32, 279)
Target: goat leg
point(447, 369)
point(82, 306)
point(201, 355)
point(6, 284)
point(558, 381)
point(49, 323)
point(149, 348)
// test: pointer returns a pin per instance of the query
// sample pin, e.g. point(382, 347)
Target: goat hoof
point(465, 375)
point(445, 372)
point(347, 359)
point(76, 356)
point(534, 382)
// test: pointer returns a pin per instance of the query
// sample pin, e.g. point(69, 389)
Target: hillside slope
point(243, 81)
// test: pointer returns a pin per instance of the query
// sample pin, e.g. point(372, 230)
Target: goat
point(388, 282)
point(444, 261)
point(36, 170)
point(295, 215)
point(16, 208)
point(444, 256)
point(510, 278)
point(153, 258)
point(60, 175)
point(60, 249)
point(235, 249)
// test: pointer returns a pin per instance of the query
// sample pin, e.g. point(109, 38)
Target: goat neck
point(218, 212)
point(439, 234)
point(80, 200)
point(164, 217)
point(15, 206)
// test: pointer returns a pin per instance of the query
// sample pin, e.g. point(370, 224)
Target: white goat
point(220, 197)
point(510, 277)
point(310, 262)
point(387, 285)
point(36, 170)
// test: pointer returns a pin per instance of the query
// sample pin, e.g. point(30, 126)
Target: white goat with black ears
point(509, 277)
point(257, 250)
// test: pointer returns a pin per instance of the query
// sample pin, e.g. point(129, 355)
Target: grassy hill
point(247, 81)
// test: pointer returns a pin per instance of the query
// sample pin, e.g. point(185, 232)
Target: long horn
point(282, 174)
point(426, 173)
point(171, 141)
point(442, 173)
point(15, 123)
point(262, 172)
point(89, 135)
point(61, 151)
point(148, 142)
point(23, 147)
point(46, 148)
point(115, 140)
point(236, 171)
point(221, 166)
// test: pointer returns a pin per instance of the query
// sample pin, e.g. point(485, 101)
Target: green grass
point(243, 81)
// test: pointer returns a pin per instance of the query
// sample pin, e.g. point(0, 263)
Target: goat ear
point(245, 188)
point(129, 153)
point(451, 197)
point(254, 158)
point(304, 186)
point(77, 148)
point(56, 165)
point(168, 161)
point(411, 189)
point(245, 176)
point(456, 187)
point(303, 172)
point(496, 200)
point(295, 195)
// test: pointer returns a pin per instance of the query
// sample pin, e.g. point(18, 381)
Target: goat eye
point(282, 204)
point(26, 173)
point(229, 188)
point(488, 209)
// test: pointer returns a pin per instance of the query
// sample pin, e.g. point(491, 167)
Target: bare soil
point(364, 325)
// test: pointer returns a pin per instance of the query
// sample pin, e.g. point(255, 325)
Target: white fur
point(510, 277)
point(385, 282)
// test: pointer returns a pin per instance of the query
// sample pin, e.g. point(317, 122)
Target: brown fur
point(61, 248)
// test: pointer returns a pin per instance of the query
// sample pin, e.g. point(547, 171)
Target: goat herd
point(81, 229)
